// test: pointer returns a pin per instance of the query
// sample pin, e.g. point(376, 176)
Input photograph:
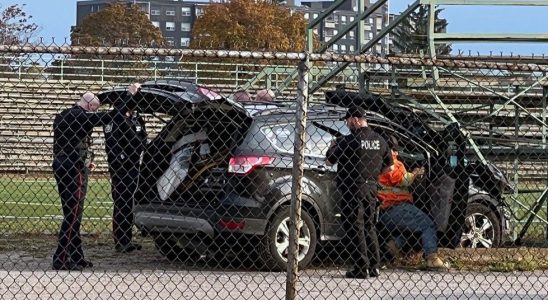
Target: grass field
point(32, 205)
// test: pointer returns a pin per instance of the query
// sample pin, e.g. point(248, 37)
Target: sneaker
point(393, 249)
point(434, 262)
point(127, 248)
point(374, 272)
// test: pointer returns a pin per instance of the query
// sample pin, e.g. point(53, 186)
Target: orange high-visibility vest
point(395, 185)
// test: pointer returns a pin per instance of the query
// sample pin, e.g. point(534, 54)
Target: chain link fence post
point(298, 169)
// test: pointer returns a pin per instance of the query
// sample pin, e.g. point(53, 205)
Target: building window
point(343, 19)
point(335, 47)
point(170, 42)
point(370, 35)
point(155, 12)
point(343, 48)
point(185, 26)
point(352, 48)
point(199, 11)
point(185, 11)
point(351, 19)
point(185, 42)
point(315, 16)
point(306, 16)
point(370, 21)
point(170, 26)
point(156, 23)
point(335, 32)
point(351, 34)
point(170, 12)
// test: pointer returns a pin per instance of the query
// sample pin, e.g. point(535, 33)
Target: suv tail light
point(244, 165)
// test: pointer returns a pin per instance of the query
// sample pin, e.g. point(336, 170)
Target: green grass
point(32, 205)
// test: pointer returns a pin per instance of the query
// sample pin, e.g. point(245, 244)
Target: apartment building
point(175, 20)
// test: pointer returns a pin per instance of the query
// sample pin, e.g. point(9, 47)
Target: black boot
point(67, 266)
point(356, 273)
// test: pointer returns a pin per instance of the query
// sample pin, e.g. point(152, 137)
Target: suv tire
point(482, 228)
point(274, 247)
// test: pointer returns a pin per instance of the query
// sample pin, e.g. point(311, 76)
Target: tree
point(15, 29)
point(15, 25)
point(411, 35)
point(259, 25)
point(116, 25)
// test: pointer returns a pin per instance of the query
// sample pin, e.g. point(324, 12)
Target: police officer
point(125, 139)
point(360, 157)
point(71, 140)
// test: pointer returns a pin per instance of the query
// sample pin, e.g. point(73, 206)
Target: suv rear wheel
point(274, 248)
point(481, 227)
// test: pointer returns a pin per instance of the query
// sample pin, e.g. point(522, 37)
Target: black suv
point(218, 176)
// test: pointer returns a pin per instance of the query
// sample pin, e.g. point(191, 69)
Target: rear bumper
point(165, 222)
point(156, 218)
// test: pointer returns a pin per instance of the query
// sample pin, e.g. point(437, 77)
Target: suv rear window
point(282, 137)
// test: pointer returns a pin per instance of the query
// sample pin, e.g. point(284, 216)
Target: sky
point(55, 18)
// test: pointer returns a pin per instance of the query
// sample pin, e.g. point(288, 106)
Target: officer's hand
point(134, 88)
point(92, 166)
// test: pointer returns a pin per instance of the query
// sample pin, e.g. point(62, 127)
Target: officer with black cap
point(361, 157)
point(71, 164)
point(125, 139)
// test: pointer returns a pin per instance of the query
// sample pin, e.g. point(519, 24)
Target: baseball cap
point(393, 143)
point(354, 112)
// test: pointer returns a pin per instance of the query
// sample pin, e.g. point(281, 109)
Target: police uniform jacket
point(125, 138)
point(72, 132)
point(360, 157)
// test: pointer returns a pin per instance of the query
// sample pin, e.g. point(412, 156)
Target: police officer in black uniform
point(125, 139)
point(360, 157)
point(71, 140)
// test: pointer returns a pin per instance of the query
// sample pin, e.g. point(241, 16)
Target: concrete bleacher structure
point(28, 107)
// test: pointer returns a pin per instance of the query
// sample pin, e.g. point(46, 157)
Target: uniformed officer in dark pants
point(360, 157)
point(71, 140)
point(125, 139)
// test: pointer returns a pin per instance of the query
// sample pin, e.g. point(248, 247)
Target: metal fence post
point(295, 221)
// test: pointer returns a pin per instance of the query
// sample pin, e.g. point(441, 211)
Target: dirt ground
point(33, 252)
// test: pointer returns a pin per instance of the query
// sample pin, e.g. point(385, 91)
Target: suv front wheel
point(481, 227)
point(274, 248)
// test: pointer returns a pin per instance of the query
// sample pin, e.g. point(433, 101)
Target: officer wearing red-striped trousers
point(71, 140)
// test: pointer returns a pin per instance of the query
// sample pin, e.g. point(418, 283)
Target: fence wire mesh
point(219, 167)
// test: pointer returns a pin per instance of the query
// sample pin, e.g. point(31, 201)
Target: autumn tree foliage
point(249, 25)
point(15, 25)
point(117, 25)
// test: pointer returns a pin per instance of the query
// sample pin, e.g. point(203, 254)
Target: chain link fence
point(235, 174)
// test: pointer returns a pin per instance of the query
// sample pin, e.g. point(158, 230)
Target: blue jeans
point(407, 218)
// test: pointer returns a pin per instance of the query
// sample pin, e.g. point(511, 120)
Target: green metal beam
point(489, 37)
point(367, 46)
point(487, 2)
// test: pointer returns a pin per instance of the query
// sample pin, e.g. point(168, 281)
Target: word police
point(371, 145)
